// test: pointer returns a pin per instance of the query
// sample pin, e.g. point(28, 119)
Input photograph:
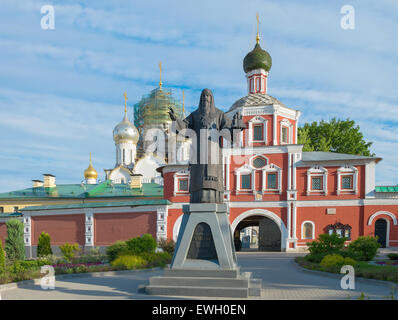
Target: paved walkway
point(282, 279)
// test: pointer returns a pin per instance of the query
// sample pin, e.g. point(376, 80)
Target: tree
point(15, 246)
point(2, 259)
point(341, 136)
point(44, 245)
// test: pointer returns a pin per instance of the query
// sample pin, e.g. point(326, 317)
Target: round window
point(259, 162)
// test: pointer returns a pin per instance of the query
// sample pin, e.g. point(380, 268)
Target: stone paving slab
point(281, 280)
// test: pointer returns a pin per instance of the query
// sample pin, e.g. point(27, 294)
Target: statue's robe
point(206, 184)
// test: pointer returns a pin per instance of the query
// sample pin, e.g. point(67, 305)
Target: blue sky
point(61, 91)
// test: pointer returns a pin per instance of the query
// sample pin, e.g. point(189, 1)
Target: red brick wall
point(345, 215)
point(112, 227)
point(61, 228)
point(369, 230)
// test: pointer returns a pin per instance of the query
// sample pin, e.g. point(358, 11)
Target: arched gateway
point(272, 233)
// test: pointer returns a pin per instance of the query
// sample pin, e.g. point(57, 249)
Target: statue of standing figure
point(206, 183)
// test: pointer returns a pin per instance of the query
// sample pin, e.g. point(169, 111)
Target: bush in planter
point(15, 246)
point(129, 262)
point(44, 245)
point(364, 247)
point(144, 244)
point(117, 249)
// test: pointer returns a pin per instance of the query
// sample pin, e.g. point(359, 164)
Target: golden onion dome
point(90, 172)
point(125, 131)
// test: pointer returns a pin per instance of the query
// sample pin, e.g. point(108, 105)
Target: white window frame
point(347, 170)
point(302, 230)
point(245, 169)
point(286, 124)
point(272, 168)
point(182, 174)
point(257, 120)
point(314, 172)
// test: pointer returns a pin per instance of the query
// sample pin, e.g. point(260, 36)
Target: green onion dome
point(257, 59)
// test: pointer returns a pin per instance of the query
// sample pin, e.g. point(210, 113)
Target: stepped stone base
point(205, 283)
point(204, 263)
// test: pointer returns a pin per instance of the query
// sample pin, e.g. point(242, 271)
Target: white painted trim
point(284, 123)
point(347, 170)
point(272, 168)
point(27, 221)
point(317, 171)
point(252, 122)
point(373, 216)
point(302, 229)
point(264, 213)
point(89, 230)
point(161, 223)
point(176, 227)
point(52, 212)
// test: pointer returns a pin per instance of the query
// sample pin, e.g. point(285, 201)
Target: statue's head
point(206, 101)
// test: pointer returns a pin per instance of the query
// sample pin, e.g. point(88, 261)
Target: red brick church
point(284, 196)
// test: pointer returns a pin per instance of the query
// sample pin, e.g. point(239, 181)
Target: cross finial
point(160, 69)
point(125, 102)
point(183, 109)
point(90, 157)
point(258, 23)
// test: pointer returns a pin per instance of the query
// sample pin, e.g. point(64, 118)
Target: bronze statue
point(206, 175)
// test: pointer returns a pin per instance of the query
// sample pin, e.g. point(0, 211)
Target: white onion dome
point(125, 131)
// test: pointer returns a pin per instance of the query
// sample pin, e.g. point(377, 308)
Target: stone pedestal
point(204, 262)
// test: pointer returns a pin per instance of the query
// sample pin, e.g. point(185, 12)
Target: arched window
point(307, 230)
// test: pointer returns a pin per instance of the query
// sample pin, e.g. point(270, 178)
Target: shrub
point(311, 257)
point(144, 244)
point(44, 245)
point(326, 244)
point(2, 259)
point(167, 245)
point(129, 262)
point(69, 250)
point(393, 256)
point(157, 259)
point(364, 247)
point(117, 249)
point(332, 260)
point(336, 261)
point(15, 246)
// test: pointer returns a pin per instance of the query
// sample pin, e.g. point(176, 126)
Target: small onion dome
point(90, 172)
point(125, 131)
point(257, 59)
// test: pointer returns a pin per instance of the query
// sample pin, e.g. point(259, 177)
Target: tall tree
point(15, 246)
point(341, 136)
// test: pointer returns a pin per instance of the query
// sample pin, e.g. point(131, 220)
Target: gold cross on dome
point(258, 23)
point(160, 69)
point(125, 101)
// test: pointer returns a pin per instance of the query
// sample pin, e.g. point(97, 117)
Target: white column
point(289, 172)
point(275, 124)
point(289, 223)
point(27, 223)
point(89, 223)
point(161, 223)
point(294, 222)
